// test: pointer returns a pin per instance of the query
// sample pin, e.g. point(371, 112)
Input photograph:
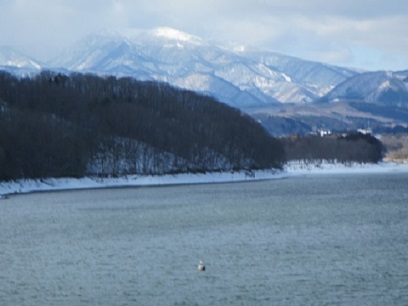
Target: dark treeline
point(358, 147)
point(79, 124)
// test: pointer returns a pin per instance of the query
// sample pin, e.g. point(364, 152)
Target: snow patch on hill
point(174, 34)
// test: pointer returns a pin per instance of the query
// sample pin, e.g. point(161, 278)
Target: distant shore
point(291, 169)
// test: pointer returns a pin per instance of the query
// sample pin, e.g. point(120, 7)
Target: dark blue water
point(318, 240)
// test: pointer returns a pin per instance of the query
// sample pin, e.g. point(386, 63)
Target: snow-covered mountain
point(236, 78)
point(17, 63)
point(243, 79)
point(381, 87)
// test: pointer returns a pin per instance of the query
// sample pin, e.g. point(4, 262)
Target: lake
point(307, 240)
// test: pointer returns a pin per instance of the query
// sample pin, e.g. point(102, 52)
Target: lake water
point(317, 240)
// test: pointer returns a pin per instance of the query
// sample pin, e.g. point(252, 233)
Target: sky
point(365, 34)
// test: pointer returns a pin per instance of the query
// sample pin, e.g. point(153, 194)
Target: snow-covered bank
point(50, 184)
point(290, 169)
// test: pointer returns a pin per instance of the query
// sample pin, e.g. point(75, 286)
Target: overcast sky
point(368, 34)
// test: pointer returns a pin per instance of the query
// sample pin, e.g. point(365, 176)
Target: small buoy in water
point(201, 266)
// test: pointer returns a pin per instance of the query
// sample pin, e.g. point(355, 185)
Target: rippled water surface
point(319, 240)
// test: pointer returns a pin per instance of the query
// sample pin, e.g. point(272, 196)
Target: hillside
point(308, 80)
point(397, 147)
point(381, 87)
point(340, 116)
point(74, 125)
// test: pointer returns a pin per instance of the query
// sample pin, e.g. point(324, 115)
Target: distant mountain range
point(183, 60)
point(255, 81)
point(241, 79)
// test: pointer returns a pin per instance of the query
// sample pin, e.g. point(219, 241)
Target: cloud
point(40, 27)
point(318, 29)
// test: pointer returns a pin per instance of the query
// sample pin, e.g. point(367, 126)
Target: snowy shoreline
point(291, 169)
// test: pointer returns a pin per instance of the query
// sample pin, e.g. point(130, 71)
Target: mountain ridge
point(240, 78)
point(175, 57)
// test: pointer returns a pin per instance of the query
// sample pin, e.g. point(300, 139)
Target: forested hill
point(55, 125)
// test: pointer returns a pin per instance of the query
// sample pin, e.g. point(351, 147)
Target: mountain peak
point(173, 34)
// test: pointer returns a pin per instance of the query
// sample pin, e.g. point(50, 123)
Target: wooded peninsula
point(74, 125)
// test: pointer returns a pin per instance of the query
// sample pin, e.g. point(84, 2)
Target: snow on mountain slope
point(17, 63)
point(307, 72)
point(383, 87)
point(189, 62)
point(312, 79)
point(106, 53)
